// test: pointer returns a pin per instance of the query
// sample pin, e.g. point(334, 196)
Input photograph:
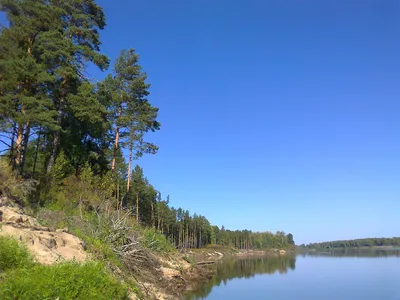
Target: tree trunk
point(117, 195)
point(18, 145)
point(200, 239)
point(195, 237)
point(158, 219)
point(22, 140)
point(180, 235)
point(116, 143)
point(187, 235)
point(137, 207)
point(36, 153)
point(122, 203)
point(152, 216)
point(57, 133)
point(24, 147)
point(128, 182)
point(12, 147)
point(54, 151)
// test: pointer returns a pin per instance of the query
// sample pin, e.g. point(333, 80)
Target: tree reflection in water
point(244, 267)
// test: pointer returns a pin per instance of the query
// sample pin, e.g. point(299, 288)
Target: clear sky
point(276, 115)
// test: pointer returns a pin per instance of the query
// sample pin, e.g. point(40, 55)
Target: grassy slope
point(22, 278)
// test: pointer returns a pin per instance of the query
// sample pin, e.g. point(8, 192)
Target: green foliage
point(92, 228)
point(156, 241)
point(189, 259)
point(102, 250)
point(44, 53)
point(367, 242)
point(245, 239)
point(61, 169)
point(289, 238)
point(13, 187)
point(13, 255)
point(86, 191)
point(62, 281)
point(142, 195)
point(129, 110)
point(26, 280)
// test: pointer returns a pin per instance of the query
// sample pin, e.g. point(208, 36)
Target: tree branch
point(5, 143)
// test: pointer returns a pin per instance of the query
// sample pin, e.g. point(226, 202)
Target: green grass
point(62, 281)
point(21, 278)
point(13, 254)
point(156, 241)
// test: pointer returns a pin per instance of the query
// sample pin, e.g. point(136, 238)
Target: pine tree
point(44, 52)
point(76, 39)
point(142, 118)
point(130, 112)
point(25, 103)
point(139, 187)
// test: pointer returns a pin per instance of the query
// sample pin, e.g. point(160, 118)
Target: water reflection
point(248, 267)
point(365, 274)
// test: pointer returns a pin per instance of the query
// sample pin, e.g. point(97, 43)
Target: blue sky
point(276, 115)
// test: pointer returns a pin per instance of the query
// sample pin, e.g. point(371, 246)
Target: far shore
point(203, 255)
point(349, 248)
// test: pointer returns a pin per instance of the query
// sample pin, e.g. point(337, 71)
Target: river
point(344, 274)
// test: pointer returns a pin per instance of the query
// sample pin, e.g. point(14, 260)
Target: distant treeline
point(367, 242)
point(386, 251)
point(246, 239)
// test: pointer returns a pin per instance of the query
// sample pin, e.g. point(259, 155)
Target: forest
point(367, 242)
point(73, 142)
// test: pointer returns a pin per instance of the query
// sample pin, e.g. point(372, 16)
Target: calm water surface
point(351, 274)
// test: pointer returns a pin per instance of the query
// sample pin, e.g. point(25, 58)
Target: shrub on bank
point(155, 241)
point(13, 254)
point(24, 279)
point(62, 281)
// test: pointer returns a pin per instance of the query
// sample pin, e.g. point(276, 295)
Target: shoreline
point(163, 277)
point(204, 254)
point(199, 257)
point(185, 272)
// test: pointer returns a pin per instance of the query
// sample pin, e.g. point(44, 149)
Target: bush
point(13, 187)
point(93, 229)
point(103, 251)
point(156, 241)
point(63, 281)
point(13, 255)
